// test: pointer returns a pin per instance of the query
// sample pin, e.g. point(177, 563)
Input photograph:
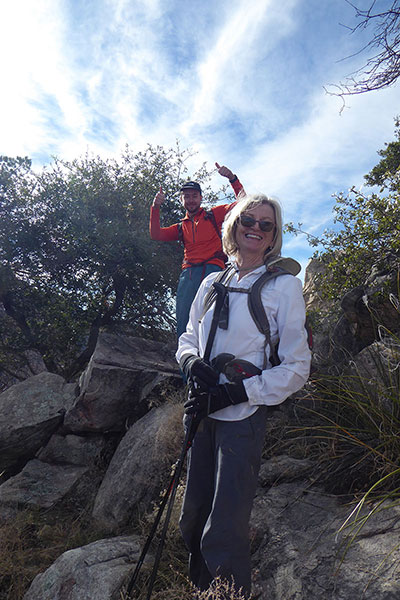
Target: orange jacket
point(201, 241)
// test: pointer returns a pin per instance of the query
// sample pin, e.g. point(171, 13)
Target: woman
point(225, 456)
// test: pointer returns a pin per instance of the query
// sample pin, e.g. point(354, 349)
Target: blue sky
point(241, 82)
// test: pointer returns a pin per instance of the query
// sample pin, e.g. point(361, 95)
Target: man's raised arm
point(233, 180)
point(164, 234)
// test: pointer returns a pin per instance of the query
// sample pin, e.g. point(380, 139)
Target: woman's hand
point(198, 372)
point(202, 404)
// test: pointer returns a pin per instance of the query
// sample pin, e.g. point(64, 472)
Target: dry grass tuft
point(32, 541)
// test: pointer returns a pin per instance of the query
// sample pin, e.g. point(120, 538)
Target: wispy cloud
point(240, 82)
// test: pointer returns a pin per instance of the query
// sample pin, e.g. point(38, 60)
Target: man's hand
point(159, 198)
point(225, 172)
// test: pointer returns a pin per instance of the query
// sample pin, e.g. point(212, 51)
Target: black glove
point(197, 371)
point(202, 404)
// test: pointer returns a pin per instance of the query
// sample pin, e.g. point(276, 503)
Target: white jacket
point(282, 298)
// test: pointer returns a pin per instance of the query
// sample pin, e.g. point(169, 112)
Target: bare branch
point(382, 69)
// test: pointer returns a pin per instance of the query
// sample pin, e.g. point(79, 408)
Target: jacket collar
point(189, 218)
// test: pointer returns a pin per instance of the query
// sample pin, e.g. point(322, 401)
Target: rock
point(39, 485)
point(136, 469)
point(279, 469)
point(30, 412)
point(312, 296)
point(376, 365)
point(94, 572)
point(72, 449)
point(298, 550)
point(365, 309)
point(116, 385)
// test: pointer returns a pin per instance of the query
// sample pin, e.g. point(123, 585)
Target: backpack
point(275, 268)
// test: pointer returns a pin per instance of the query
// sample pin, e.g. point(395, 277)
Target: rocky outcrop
point(53, 434)
point(39, 484)
point(118, 382)
point(96, 571)
point(311, 291)
point(134, 431)
point(133, 476)
point(30, 412)
point(73, 450)
point(299, 554)
point(359, 316)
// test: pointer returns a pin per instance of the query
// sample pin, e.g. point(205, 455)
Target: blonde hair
point(231, 221)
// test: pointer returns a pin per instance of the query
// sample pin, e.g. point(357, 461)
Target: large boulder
point(138, 465)
point(30, 412)
point(345, 330)
point(57, 470)
point(39, 485)
point(118, 382)
point(93, 572)
point(311, 292)
point(73, 450)
point(297, 547)
point(374, 370)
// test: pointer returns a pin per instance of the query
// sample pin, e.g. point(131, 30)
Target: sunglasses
point(248, 221)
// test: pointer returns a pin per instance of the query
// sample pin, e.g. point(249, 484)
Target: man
point(200, 232)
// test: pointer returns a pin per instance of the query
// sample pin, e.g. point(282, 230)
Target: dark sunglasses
point(248, 221)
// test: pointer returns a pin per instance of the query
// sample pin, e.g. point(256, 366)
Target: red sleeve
point(238, 188)
point(163, 234)
point(221, 211)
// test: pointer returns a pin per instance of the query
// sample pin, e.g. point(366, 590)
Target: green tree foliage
point(386, 174)
point(367, 232)
point(75, 252)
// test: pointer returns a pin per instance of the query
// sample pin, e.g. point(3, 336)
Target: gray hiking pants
point(223, 466)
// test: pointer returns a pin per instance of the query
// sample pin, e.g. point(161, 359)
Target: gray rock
point(72, 449)
point(311, 292)
point(298, 548)
point(135, 470)
point(375, 369)
point(283, 468)
point(121, 374)
point(30, 412)
point(94, 572)
point(38, 484)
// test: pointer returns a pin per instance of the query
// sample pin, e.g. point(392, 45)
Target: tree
point(75, 253)
point(368, 228)
point(382, 69)
point(386, 174)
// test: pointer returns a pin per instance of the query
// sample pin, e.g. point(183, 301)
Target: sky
point(240, 82)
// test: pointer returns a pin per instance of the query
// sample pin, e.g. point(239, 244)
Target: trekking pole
point(172, 488)
point(175, 476)
point(153, 530)
point(179, 465)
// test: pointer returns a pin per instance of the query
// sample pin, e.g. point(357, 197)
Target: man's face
point(191, 200)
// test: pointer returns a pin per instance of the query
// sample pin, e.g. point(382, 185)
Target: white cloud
point(247, 34)
point(240, 82)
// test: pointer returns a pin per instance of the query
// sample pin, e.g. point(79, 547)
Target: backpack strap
point(221, 293)
point(257, 311)
point(209, 215)
point(180, 232)
point(275, 268)
point(223, 277)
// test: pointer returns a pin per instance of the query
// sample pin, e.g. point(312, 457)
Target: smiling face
point(252, 241)
point(191, 200)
